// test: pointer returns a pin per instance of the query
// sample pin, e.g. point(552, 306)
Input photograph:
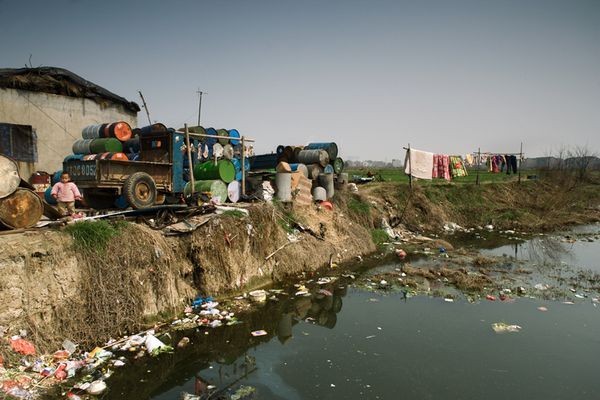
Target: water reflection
point(226, 348)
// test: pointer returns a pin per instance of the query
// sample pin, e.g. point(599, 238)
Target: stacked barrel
point(219, 168)
point(20, 207)
point(102, 142)
point(317, 162)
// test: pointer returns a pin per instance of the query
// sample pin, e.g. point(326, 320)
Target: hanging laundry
point(457, 168)
point(441, 166)
point(469, 160)
point(419, 164)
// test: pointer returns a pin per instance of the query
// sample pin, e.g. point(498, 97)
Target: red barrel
point(40, 181)
point(120, 130)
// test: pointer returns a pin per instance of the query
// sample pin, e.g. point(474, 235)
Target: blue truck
point(158, 174)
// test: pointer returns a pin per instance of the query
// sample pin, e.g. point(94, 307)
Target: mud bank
point(56, 290)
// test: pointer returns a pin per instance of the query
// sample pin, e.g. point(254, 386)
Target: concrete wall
point(57, 121)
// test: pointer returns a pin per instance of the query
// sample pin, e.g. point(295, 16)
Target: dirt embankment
point(529, 206)
point(56, 292)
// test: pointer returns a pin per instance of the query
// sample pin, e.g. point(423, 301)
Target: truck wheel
point(140, 190)
point(99, 199)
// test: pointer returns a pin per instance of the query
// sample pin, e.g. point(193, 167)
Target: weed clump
point(379, 236)
point(94, 235)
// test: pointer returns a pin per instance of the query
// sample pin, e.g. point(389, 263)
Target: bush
point(379, 236)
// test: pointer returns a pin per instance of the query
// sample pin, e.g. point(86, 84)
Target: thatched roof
point(62, 82)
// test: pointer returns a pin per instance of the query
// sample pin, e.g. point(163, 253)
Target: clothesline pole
point(478, 165)
point(409, 169)
point(520, 160)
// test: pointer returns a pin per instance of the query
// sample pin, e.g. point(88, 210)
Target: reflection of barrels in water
point(284, 327)
point(337, 304)
point(22, 209)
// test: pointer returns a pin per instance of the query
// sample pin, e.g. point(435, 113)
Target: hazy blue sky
point(446, 76)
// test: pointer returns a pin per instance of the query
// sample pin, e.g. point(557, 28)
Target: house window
point(18, 142)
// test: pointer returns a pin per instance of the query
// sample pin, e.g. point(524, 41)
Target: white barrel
point(283, 181)
point(341, 182)
point(9, 176)
point(217, 150)
point(233, 191)
point(302, 168)
point(228, 152)
point(82, 146)
point(313, 171)
point(319, 194)
point(326, 182)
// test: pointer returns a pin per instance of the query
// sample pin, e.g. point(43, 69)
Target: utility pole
point(200, 93)
point(145, 107)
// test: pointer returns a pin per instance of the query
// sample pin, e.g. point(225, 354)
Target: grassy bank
point(538, 205)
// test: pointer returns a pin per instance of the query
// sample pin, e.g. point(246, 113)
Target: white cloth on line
point(419, 164)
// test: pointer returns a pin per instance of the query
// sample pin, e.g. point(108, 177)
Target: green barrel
point(216, 188)
point(223, 170)
point(223, 136)
point(338, 165)
point(106, 145)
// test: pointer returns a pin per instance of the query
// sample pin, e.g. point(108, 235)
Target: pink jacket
point(66, 192)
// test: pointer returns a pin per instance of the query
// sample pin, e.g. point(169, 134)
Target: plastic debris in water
point(501, 327)
point(258, 333)
point(542, 308)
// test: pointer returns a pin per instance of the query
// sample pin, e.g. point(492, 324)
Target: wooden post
point(243, 165)
point(478, 165)
point(520, 158)
point(189, 155)
point(409, 169)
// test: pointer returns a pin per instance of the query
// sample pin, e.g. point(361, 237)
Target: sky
point(447, 76)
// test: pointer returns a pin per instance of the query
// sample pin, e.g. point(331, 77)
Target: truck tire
point(139, 190)
point(99, 199)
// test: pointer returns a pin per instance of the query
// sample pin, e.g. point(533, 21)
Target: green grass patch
point(233, 214)
point(379, 236)
point(358, 206)
point(94, 235)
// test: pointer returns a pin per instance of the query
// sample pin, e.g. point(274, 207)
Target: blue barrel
point(212, 139)
point(328, 169)
point(263, 161)
point(121, 202)
point(234, 136)
point(330, 147)
point(238, 168)
point(132, 145)
point(72, 157)
point(154, 128)
point(56, 176)
point(48, 196)
point(280, 149)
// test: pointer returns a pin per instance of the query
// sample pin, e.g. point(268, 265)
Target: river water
point(373, 344)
